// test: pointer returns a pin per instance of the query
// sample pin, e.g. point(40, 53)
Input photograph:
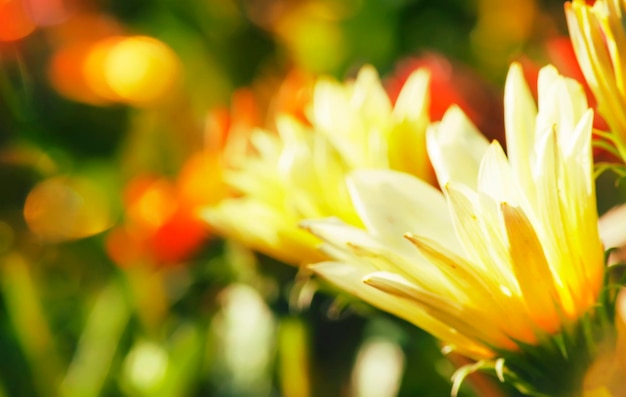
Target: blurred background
point(113, 115)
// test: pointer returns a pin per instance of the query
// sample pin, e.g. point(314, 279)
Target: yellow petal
point(589, 38)
point(349, 278)
point(531, 269)
point(413, 100)
point(455, 148)
point(271, 232)
point(467, 321)
point(496, 178)
point(361, 246)
point(379, 194)
point(519, 120)
point(616, 40)
point(411, 118)
point(480, 289)
point(369, 97)
point(578, 201)
point(547, 212)
point(478, 226)
point(563, 102)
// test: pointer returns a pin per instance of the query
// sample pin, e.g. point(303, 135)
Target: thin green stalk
point(29, 323)
point(98, 344)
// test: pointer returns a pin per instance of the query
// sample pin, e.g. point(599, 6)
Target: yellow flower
point(299, 171)
point(598, 34)
point(508, 254)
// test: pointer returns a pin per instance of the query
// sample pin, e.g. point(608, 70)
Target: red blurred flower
point(160, 227)
point(450, 84)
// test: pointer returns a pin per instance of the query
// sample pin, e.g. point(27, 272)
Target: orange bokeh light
point(179, 238)
point(295, 94)
point(47, 12)
point(150, 201)
point(93, 68)
point(141, 69)
point(15, 21)
point(77, 42)
point(83, 27)
point(200, 181)
point(227, 130)
point(137, 70)
point(161, 228)
point(66, 75)
point(124, 247)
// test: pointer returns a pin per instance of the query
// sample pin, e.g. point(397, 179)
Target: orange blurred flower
point(15, 20)
point(95, 63)
point(159, 229)
point(162, 226)
point(19, 18)
point(73, 42)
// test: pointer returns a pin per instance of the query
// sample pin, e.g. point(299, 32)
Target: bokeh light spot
point(150, 202)
point(67, 74)
point(141, 69)
point(94, 68)
point(200, 181)
point(15, 22)
point(316, 43)
point(378, 369)
point(47, 12)
point(124, 247)
point(66, 208)
point(146, 366)
point(179, 238)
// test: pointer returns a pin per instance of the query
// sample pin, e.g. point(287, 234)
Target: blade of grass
point(98, 343)
point(30, 324)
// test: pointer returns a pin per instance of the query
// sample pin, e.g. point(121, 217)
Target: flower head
point(598, 34)
point(508, 254)
point(298, 171)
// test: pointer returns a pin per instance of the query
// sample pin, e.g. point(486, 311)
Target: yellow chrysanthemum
point(299, 172)
point(508, 254)
point(598, 33)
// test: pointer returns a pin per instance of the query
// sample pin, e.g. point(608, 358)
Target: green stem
point(96, 349)
point(29, 323)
